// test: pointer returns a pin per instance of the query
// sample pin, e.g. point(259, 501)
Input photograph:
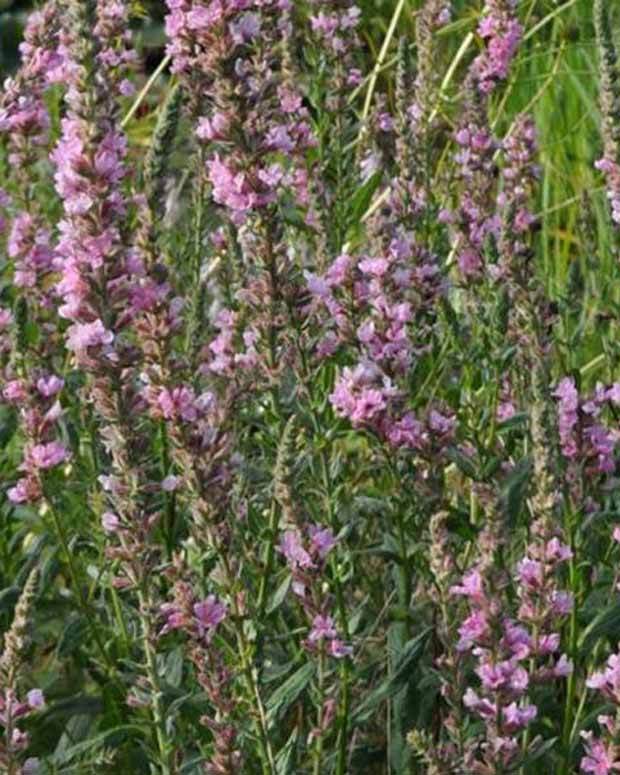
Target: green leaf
point(72, 636)
point(192, 766)
point(363, 195)
point(8, 598)
point(8, 424)
point(65, 755)
point(518, 420)
point(388, 555)
point(174, 667)
point(536, 754)
point(605, 624)
point(286, 694)
point(79, 704)
point(515, 489)
point(412, 651)
point(279, 595)
point(464, 463)
point(285, 758)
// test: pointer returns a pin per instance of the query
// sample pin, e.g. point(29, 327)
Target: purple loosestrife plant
point(519, 175)
point(25, 123)
point(97, 273)
point(374, 303)
point(601, 753)
point(587, 442)
point(609, 164)
point(29, 384)
point(475, 221)
point(200, 620)
point(13, 710)
point(283, 323)
point(501, 34)
point(514, 654)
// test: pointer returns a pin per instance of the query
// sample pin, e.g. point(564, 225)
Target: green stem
point(267, 757)
point(343, 716)
point(318, 750)
point(159, 720)
point(572, 652)
point(270, 556)
point(170, 510)
point(343, 720)
point(77, 585)
point(275, 407)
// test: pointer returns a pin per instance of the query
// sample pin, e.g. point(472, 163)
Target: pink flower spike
point(49, 386)
point(35, 698)
point(322, 540)
point(209, 613)
point(170, 483)
point(322, 627)
point(598, 759)
point(338, 649)
point(84, 335)
point(45, 455)
point(110, 522)
point(470, 587)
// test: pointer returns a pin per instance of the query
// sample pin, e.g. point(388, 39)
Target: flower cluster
point(609, 99)
point(199, 621)
point(116, 54)
point(191, 27)
point(501, 648)
point(602, 755)
point(585, 438)
point(226, 357)
point(306, 560)
point(12, 711)
point(244, 176)
point(39, 410)
point(501, 33)
point(89, 248)
point(336, 28)
point(25, 123)
point(611, 170)
point(30, 246)
point(519, 174)
point(199, 618)
point(475, 219)
point(373, 304)
point(506, 651)
point(23, 113)
point(89, 175)
point(280, 354)
point(543, 604)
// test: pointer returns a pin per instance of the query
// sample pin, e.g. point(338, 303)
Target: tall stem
point(268, 760)
point(572, 653)
point(153, 677)
point(318, 749)
point(77, 585)
point(343, 719)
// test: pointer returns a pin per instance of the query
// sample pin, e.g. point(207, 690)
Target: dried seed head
point(15, 638)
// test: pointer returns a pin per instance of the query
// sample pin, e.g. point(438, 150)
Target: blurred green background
point(13, 14)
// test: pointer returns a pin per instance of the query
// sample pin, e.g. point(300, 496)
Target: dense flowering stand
point(307, 465)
